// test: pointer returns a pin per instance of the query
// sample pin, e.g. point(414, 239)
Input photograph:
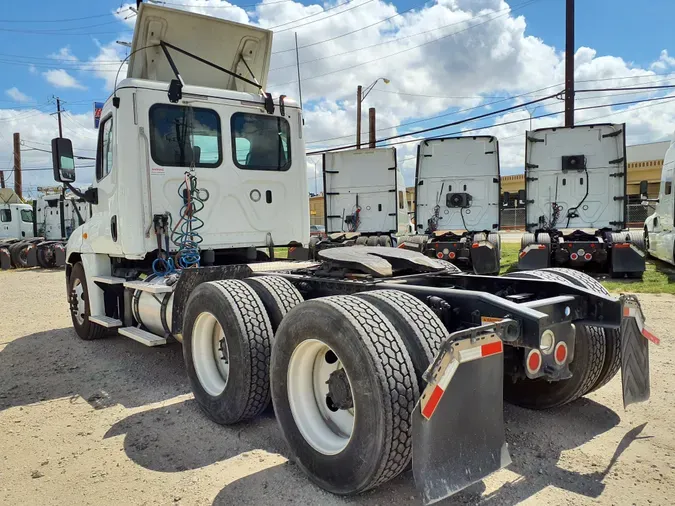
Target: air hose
point(185, 234)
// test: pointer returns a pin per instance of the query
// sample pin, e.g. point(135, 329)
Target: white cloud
point(17, 95)
point(32, 69)
point(664, 62)
point(62, 79)
point(64, 54)
point(106, 65)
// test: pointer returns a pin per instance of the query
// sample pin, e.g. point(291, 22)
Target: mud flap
point(458, 424)
point(31, 256)
point(5, 259)
point(59, 255)
point(627, 259)
point(484, 258)
point(298, 253)
point(635, 337)
point(534, 256)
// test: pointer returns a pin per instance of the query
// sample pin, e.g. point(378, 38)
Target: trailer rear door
point(455, 168)
point(363, 182)
point(576, 177)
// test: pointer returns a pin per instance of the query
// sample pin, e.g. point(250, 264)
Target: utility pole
point(371, 127)
point(359, 92)
point(58, 113)
point(2, 179)
point(17, 164)
point(569, 64)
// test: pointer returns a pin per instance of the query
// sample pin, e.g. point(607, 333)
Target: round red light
point(452, 255)
point(439, 255)
point(560, 353)
point(574, 256)
point(588, 256)
point(534, 361)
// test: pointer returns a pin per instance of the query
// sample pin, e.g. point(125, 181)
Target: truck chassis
point(407, 341)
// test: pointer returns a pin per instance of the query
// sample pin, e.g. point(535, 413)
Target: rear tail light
point(622, 245)
point(588, 256)
point(560, 354)
point(439, 254)
point(533, 361)
point(574, 256)
point(452, 255)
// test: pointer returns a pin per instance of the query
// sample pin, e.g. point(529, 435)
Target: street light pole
point(359, 92)
point(360, 97)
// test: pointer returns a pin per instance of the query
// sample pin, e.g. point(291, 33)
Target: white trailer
point(56, 217)
point(575, 201)
point(457, 199)
point(197, 168)
point(364, 197)
point(659, 229)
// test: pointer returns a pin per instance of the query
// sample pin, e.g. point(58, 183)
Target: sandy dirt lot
point(113, 422)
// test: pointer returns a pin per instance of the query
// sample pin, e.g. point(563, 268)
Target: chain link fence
point(513, 218)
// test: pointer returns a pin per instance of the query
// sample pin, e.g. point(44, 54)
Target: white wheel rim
point(310, 367)
point(79, 302)
point(210, 355)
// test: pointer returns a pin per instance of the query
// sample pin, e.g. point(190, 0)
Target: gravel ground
point(113, 422)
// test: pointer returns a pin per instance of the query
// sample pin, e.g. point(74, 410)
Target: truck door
point(6, 230)
point(105, 219)
point(25, 221)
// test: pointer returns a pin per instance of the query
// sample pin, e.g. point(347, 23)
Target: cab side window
point(104, 158)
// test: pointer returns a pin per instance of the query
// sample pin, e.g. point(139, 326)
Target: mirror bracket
point(89, 195)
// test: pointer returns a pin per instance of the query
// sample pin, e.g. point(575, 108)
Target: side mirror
point(63, 160)
point(506, 199)
point(644, 188)
point(521, 196)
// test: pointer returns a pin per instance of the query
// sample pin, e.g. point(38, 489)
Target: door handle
point(113, 228)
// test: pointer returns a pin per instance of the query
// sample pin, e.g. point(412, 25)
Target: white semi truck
point(372, 356)
point(659, 229)
point(365, 200)
point(21, 243)
point(576, 204)
point(457, 202)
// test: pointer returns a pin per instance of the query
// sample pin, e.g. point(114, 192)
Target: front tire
point(351, 343)
point(78, 298)
point(226, 346)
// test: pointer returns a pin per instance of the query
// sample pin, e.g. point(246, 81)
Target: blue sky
point(623, 34)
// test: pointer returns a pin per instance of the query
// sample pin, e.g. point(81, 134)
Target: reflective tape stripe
point(647, 333)
point(432, 403)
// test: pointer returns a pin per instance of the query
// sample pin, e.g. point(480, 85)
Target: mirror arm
point(90, 194)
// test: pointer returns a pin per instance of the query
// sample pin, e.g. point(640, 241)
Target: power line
point(159, 2)
point(60, 20)
point(494, 125)
point(322, 19)
point(407, 49)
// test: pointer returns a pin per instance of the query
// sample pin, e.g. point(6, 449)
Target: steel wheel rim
point(326, 430)
point(210, 355)
point(78, 302)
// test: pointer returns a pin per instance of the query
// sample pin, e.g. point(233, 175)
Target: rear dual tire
point(381, 384)
point(227, 340)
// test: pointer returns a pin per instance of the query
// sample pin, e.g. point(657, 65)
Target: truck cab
point(575, 201)
point(365, 195)
point(189, 145)
point(16, 218)
point(659, 229)
point(457, 201)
